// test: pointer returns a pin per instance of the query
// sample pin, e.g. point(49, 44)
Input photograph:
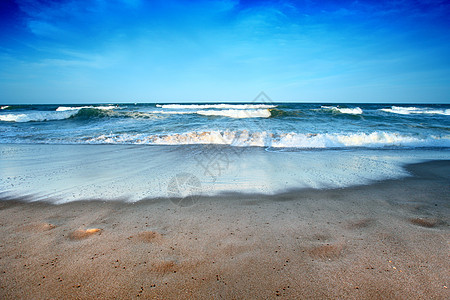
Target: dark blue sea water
point(273, 125)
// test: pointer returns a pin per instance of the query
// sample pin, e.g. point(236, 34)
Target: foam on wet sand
point(389, 239)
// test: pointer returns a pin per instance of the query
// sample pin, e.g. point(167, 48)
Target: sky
point(116, 51)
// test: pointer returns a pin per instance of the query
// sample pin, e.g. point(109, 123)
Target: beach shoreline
point(389, 239)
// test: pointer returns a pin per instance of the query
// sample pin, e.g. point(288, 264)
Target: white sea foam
point(65, 108)
point(164, 112)
point(237, 113)
point(4, 107)
point(285, 140)
point(416, 110)
point(351, 111)
point(61, 113)
point(218, 106)
point(374, 139)
point(52, 175)
point(38, 116)
point(64, 112)
point(231, 113)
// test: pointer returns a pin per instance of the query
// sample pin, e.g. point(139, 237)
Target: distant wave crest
point(65, 108)
point(217, 106)
point(230, 113)
point(37, 116)
point(237, 113)
point(351, 111)
point(61, 113)
point(416, 110)
point(86, 112)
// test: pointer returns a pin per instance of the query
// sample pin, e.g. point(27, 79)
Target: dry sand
point(385, 240)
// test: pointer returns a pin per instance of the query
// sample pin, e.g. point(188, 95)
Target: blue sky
point(224, 50)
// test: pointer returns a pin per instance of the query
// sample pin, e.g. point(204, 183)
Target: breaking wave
point(86, 112)
point(217, 106)
point(38, 116)
point(65, 108)
point(237, 113)
point(245, 138)
point(231, 113)
point(61, 113)
point(416, 110)
point(351, 111)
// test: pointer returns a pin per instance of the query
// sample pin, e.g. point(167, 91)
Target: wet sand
point(388, 240)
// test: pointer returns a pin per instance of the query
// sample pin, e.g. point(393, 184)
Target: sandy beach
point(224, 149)
point(388, 240)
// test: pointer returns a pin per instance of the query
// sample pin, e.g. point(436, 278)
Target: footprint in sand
point(38, 227)
point(165, 266)
point(322, 237)
point(359, 224)
point(426, 222)
point(327, 251)
point(84, 233)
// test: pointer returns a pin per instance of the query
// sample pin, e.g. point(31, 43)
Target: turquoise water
point(62, 153)
point(270, 125)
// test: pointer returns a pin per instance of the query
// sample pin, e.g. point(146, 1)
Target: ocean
point(269, 125)
point(150, 150)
